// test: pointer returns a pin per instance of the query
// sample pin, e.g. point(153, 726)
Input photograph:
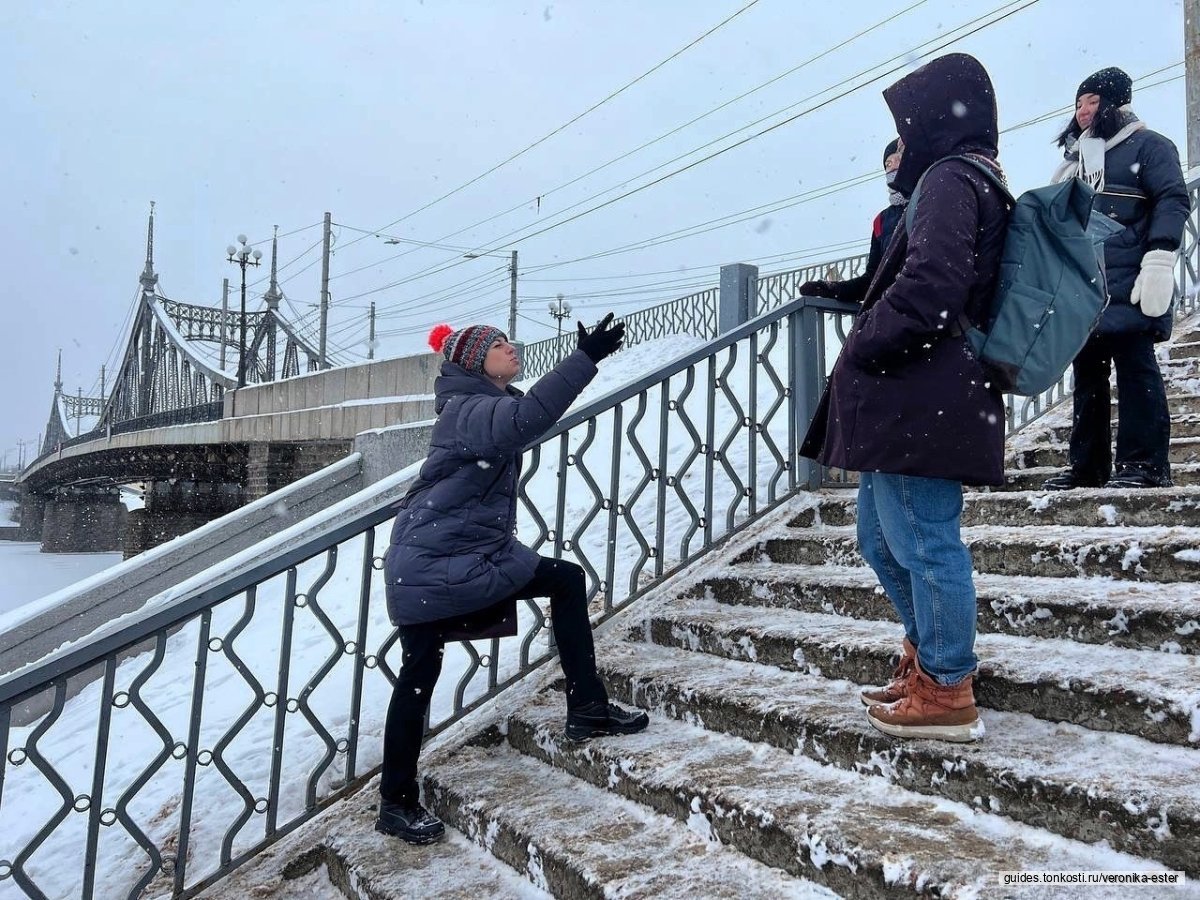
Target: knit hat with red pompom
point(467, 347)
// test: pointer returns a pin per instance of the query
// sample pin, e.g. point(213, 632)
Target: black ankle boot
point(410, 822)
point(601, 718)
point(1069, 481)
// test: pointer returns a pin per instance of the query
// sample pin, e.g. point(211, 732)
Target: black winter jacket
point(1144, 190)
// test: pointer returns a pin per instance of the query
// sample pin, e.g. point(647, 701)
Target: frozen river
point(27, 574)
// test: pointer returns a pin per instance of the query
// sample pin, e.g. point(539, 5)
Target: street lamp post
point(512, 289)
point(560, 309)
point(242, 256)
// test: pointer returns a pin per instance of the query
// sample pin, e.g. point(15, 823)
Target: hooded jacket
point(907, 395)
point(453, 551)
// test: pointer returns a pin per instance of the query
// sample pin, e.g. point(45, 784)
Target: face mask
point(890, 177)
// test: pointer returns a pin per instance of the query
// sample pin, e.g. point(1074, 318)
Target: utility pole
point(1191, 56)
point(371, 332)
point(325, 289)
point(512, 298)
point(224, 317)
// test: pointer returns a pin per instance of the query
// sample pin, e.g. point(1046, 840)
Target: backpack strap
point(963, 323)
point(910, 214)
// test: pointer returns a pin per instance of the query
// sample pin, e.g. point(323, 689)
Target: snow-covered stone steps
point(1175, 369)
point(1099, 506)
point(1139, 692)
point(1181, 427)
point(1183, 474)
point(1181, 404)
point(1056, 551)
point(1136, 795)
point(1134, 615)
point(1181, 450)
point(577, 840)
point(339, 854)
point(1188, 350)
point(856, 834)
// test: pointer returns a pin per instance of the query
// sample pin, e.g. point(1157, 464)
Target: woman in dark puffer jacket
point(1140, 185)
point(455, 570)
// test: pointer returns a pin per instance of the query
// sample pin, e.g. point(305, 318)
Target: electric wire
point(566, 125)
point(661, 137)
point(1004, 11)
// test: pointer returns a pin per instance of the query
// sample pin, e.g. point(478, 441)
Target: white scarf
point(1085, 158)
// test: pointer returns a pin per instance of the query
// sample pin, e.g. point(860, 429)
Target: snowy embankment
point(148, 749)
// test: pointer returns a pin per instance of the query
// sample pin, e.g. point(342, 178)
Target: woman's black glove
point(818, 289)
point(602, 340)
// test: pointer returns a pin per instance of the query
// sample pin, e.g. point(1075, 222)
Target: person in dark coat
point(1139, 184)
point(910, 407)
point(852, 290)
point(455, 570)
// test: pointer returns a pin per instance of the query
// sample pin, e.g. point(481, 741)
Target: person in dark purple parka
point(454, 569)
point(910, 407)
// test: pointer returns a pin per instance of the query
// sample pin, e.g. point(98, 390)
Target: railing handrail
point(90, 651)
point(94, 649)
point(716, 345)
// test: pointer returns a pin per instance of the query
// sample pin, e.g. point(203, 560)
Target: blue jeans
point(908, 532)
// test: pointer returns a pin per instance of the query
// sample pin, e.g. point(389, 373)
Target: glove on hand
point(818, 289)
point(1155, 285)
point(602, 340)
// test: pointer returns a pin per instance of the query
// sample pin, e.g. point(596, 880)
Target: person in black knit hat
point(1139, 184)
point(854, 289)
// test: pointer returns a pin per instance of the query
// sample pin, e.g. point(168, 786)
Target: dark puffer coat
point(1144, 190)
point(453, 550)
point(907, 396)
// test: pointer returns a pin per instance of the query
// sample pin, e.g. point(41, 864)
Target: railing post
point(807, 354)
point(737, 300)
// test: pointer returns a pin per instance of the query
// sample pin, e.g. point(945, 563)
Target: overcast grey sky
point(238, 117)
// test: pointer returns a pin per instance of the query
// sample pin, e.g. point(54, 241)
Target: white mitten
point(1155, 285)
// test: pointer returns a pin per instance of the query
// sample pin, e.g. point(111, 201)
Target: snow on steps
point(1183, 474)
point(856, 834)
point(1138, 796)
point(1095, 506)
point(1134, 553)
point(1142, 692)
point(1181, 427)
point(1185, 350)
point(578, 840)
point(1135, 615)
point(339, 855)
point(1181, 450)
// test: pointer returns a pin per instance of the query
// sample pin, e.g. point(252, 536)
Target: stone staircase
point(760, 775)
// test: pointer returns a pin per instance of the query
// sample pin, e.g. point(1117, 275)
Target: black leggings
point(423, 645)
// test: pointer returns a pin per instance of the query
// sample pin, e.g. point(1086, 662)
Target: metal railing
point(220, 723)
point(190, 415)
point(695, 314)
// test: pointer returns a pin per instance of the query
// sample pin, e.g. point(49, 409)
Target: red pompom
point(437, 337)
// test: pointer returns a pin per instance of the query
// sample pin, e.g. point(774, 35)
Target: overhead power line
point(902, 59)
point(568, 124)
point(551, 191)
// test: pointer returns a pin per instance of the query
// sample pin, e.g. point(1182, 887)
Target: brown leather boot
point(896, 688)
point(931, 710)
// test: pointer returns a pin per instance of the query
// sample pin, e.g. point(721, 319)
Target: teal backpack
point(1051, 291)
